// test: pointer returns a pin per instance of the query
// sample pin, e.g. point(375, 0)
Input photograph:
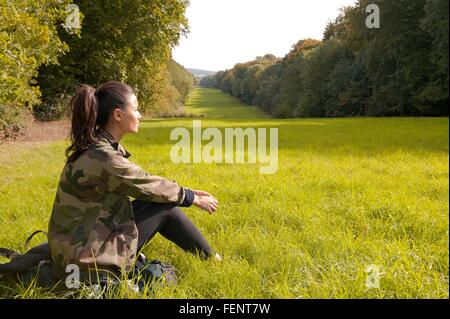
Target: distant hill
point(200, 73)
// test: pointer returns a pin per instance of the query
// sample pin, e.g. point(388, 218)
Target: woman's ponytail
point(84, 107)
point(91, 108)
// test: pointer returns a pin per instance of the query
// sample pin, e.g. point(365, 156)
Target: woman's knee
point(176, 213)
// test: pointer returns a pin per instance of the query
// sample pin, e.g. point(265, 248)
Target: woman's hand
point(205, 201)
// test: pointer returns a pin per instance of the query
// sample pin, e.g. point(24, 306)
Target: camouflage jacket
point(92, 223)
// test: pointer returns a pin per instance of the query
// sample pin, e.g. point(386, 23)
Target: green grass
point(348, 193)
point(211, 103)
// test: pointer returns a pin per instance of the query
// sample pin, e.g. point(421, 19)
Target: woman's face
point(129, 118)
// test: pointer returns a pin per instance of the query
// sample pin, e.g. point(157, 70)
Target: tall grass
point(348, 193)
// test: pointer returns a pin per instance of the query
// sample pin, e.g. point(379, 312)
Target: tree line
point(398, 69)
point(48, 47)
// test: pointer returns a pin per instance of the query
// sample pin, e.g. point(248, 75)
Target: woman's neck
point(115, 132)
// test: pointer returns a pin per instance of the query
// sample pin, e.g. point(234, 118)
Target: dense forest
point(397, 69)
point(48, 47)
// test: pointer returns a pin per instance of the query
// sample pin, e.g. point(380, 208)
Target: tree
point(128, 41)
point(436, 24)
point(28, 39)
point(293, 77)
point(398, 69)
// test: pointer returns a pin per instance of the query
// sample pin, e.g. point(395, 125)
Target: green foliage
point(399, 69)
point(347, 88)
point(12, 121)
point(397, 59)
point(243, 81)
point(436, 24)
point(180, 79)
point(177, 83)
point(28, 39)
point(124, 41)
point(56, 109)
point(43, 59)
point(291, 79)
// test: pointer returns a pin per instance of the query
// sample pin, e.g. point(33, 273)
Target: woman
point(94, 224)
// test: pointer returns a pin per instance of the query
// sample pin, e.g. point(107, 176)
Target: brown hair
point(91, 108)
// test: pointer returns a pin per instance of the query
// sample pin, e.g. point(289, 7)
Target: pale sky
point(226, 32)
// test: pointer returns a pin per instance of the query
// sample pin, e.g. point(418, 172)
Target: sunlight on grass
point(212, 103)
point(348, 193)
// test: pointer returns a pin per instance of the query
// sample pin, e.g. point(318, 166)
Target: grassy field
point(348, 193)
point(211, 103)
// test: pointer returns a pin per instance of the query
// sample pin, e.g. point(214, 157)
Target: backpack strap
point(12, 254)
point(27, 242)
point(20, 263)
point(8, 253)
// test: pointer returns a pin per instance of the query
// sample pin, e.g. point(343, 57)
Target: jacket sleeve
point(126, 178)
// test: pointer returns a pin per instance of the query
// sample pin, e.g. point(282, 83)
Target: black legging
point(170, 221)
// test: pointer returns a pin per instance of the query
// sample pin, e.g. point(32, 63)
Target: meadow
point(350, 195)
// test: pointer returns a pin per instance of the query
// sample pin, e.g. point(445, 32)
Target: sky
point(226, 32)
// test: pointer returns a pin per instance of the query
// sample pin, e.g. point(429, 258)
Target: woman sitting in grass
point(94, 224)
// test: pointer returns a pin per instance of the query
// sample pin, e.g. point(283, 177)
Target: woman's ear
point(117, 114)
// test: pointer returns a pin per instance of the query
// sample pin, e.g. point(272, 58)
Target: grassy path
point(212, 103)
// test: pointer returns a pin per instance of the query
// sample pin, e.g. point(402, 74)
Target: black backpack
point(155, 272)
point(36, 265)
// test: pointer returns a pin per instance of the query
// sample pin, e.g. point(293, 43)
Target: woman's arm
point(127, 178)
